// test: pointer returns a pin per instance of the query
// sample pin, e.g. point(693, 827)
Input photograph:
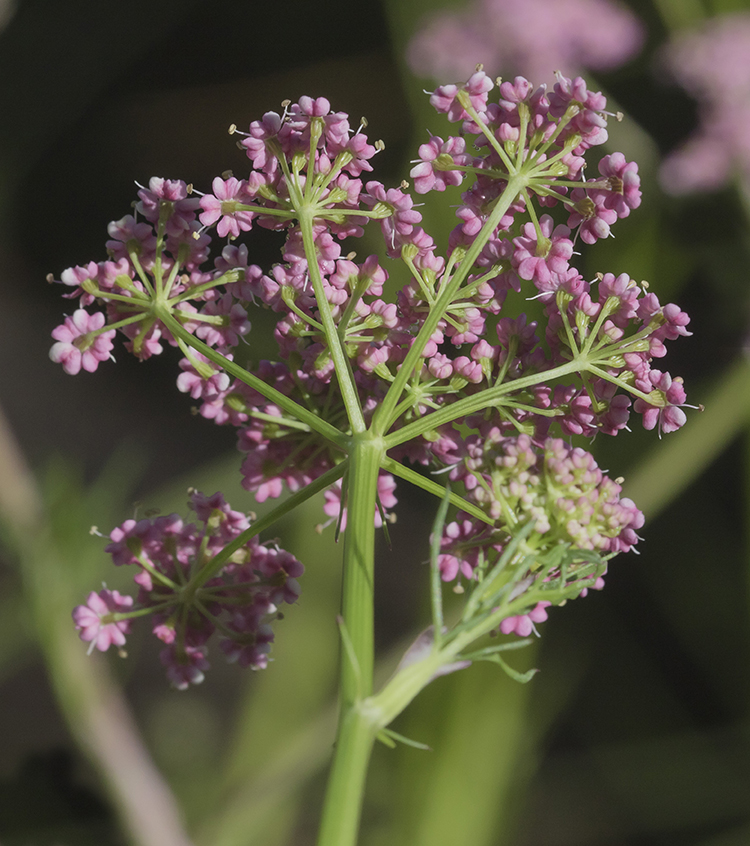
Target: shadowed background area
point(635, 733)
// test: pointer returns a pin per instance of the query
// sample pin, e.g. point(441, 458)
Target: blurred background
point(636, 732)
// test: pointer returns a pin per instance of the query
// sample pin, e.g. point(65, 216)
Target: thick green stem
point(359, 556)
point(356, 733)
point(346, 782)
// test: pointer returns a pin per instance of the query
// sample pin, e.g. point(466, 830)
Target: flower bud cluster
point(189, 597)
point(557, 488)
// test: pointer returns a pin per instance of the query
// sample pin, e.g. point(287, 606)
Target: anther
point(227, 174)
point(50, 278)
point(232, 128)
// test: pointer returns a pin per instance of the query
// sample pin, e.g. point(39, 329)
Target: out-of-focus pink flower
point(713, 64)
point(531, 37)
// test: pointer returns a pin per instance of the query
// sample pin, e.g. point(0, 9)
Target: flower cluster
point(446, 371)
point(189, 595)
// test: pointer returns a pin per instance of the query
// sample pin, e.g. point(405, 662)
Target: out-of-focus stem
point(92, 704)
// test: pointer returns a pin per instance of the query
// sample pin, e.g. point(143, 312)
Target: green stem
point(383, 417)
point(346, 782)
point(477, 402)
point(340, 361)
point(356, 732)
point(359, 555)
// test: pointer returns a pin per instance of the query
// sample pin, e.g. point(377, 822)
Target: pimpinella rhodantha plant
point(368, 390)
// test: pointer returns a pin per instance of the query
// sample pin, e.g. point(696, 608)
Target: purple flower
point(624, 184)
point(184, 666)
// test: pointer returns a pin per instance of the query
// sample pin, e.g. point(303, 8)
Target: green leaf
point(390, 738)
point(523, 678)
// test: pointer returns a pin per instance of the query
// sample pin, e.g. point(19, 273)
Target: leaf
point(390, 737)
point(523, 678)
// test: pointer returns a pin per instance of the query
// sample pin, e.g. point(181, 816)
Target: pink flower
point(94, 619)
point(523, 624)
point(668, 415)
point(223, 206)
point(78, 346)
point(386, 495)
point(591, 214)
point(624, 184)
point(712, 64)
point(425, 175)
point(535, 259)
